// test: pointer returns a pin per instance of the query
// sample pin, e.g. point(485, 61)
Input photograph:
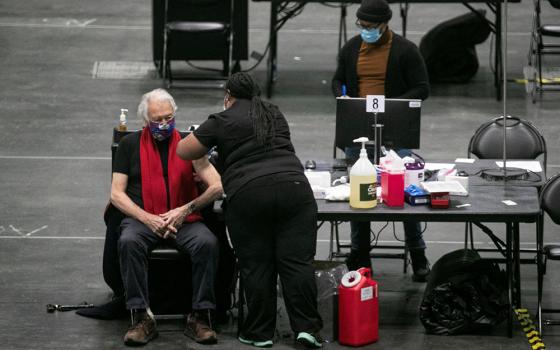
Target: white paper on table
point(465, 160)
point(437, 166)
point(531, 165)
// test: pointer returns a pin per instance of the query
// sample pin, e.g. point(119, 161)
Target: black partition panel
point(205, 49)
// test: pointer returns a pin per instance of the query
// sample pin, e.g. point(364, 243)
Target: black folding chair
point(538, 49)
point(550, 203)
point(197, 30)
point(524, 141)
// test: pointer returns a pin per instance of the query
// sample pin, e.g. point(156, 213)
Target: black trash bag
point(449, 48)
point(464, 294)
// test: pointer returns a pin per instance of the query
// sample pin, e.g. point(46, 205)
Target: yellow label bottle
point(363, 181)
point(363, 191)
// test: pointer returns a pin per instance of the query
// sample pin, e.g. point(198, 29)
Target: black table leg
point(517, 265)
point(271, 62)
point(498, 76)
point(540, 267)
point(509, 277)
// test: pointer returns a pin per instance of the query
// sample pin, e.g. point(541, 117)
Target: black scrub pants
point(273, 227)
point(194, 239)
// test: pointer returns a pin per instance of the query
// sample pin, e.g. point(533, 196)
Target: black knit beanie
point(374, 11)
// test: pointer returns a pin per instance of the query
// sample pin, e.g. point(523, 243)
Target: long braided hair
point(240, 85)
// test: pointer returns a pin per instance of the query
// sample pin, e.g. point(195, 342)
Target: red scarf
point(182, 188)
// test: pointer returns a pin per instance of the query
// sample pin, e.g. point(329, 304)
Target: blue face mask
point(370, 36)
point(160, 131)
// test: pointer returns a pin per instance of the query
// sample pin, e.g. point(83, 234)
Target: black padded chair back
point(201, 2)
point(197, 30)
point(197, 10)
point(524, 141)
point(550, 198)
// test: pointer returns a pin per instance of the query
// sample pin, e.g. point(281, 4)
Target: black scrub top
point(240, 157)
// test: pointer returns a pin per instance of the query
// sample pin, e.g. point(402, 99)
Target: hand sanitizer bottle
point(363, 180)
point(122, 120)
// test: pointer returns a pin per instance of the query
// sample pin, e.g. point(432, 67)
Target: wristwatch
point(191, 207)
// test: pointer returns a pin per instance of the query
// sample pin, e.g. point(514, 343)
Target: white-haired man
point(156, 191)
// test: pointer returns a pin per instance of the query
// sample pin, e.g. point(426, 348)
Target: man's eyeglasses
point(368, 26)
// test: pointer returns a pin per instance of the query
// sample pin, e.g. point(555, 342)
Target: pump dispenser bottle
point(363, 180)
point(122, 120)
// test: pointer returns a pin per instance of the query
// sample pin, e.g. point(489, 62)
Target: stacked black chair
point(188, 37)
point(538, 48)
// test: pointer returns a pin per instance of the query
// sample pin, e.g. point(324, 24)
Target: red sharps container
point(358, 309)
point(392, 187)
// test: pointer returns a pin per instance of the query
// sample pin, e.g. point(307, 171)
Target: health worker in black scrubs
point(270, 211)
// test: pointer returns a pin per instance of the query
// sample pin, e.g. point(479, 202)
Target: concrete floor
point(55, 160)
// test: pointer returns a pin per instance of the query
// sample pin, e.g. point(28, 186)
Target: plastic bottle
point(358, 309)
point(392, 181)
point(363, 180)
point(122, 120)
point(414, 174)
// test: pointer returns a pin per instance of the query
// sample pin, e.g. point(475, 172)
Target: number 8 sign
point(375, 103)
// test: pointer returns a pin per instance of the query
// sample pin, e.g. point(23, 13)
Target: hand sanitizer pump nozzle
point(363, 180)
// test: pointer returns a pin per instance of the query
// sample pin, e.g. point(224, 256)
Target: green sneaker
point(310, 340)
point(258, 344)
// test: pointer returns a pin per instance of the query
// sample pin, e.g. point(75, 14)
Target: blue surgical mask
point(162, 131)
point(370, 36)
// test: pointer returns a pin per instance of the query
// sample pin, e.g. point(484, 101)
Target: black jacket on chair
point(449, 48)
point(406, 76)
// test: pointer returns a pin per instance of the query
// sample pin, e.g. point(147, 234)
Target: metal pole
point(504, 79)
point(376, 139)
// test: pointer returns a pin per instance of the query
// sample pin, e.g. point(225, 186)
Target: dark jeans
point(273, 227)
point(194, 239)
point(360, 231)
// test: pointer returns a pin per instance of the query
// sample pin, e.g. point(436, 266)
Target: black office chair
point(550, 203)
point(524, 141)
point(189, 37)
point(538, 49)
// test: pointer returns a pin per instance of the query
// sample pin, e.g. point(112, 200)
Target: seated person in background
point(380, 62)
point(156, 191)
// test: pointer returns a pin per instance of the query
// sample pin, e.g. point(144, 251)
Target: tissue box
point(319, 178)
point(320, 181)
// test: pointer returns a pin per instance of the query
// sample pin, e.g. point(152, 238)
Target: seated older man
point(156, 191)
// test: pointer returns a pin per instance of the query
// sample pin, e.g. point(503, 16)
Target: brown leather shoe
point(199, 328)
point(142, 331)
